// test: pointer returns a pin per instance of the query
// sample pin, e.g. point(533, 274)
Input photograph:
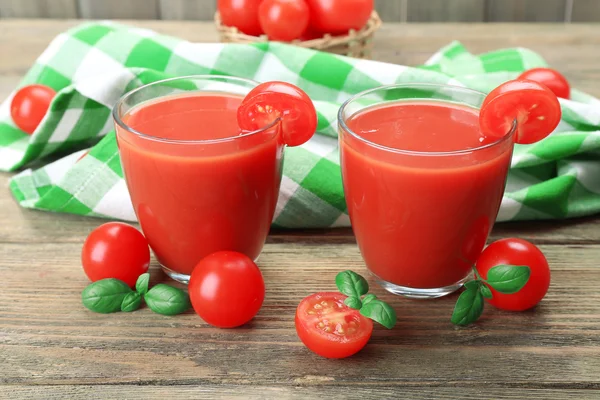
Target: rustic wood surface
point(51, 347)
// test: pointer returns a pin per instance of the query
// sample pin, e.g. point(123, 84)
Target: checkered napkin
point(93, 64)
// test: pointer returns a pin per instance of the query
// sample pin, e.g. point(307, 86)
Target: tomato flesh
point(512, 251)
point(283, 20)
point(554, 80)
point(29, 106)
point(329, 328)
point(532, 105)
point(272, 100)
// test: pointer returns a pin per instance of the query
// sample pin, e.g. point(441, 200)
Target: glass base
point(414, 293)
point(184, 278)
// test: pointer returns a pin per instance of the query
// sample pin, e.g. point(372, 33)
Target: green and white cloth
point(93, 64)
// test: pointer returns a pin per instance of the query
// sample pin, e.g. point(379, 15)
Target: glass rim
point(119, 121)
point(342, 122)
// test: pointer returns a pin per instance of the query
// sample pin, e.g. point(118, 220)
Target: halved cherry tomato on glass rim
point(115, 250)
point(283, 20)
point(330, 328)
point(271, 100)
point(512, 251)
point(243, 14)
point(535, 108)
point(29, 105)
point(554, 80)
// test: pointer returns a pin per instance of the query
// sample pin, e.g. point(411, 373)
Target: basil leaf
point(131, 302)
point(167, 300)
point(105, 296)
point(508, 279)
point(485, 291)
point(353, 302)
point(469, 307)
point(380, 311)
point(351, 284)
point(368, 298)
point(141, 286)
point(473, 285)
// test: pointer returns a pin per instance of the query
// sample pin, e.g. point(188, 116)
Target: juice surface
point(417, 217)
point(193, 199)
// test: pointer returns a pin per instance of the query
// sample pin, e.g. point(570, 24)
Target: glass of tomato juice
point(198, 184)
point(422, 184)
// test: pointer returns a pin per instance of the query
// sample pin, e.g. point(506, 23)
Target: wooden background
point(390, 10)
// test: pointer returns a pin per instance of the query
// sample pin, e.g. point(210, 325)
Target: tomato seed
point(317, 307)
point(311, 312)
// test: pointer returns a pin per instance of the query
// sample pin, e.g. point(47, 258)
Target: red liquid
point(193, 199)
point(420, 220)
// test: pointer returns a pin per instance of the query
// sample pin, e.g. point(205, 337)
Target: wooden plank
point(586, 11)
point(187, 10)
point(252, 392)
point(525, 10)
point(444, 10)
point(38, 8)
point(392, 11)
point(119, 9)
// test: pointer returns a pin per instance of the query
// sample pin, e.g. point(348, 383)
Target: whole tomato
point(339, 16)
point(283, 20)
point(243, 14)
point(29, 105)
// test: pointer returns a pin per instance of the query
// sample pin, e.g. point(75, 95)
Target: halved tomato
point(330, 328)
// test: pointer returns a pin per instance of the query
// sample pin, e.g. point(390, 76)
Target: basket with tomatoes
point(343, 27)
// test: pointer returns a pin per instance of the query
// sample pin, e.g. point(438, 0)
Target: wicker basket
point(355, 44)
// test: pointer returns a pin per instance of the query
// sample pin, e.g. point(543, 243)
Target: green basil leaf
point(351, 284)
point(167, 300)
point(105, 296)
point(485, 291)
point(473, 285)
point(353, 302)
point(141, 286)
point(368, 298)
point(469, 307)
point(508, 279)
point(380, 311)
point(131, 302)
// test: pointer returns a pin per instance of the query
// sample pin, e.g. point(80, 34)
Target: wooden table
point(52, 347)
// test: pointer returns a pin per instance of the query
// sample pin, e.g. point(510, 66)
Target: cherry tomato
point(283, 20)
point(532, 104)
point(115, 250)
point(29, 106)
point(226, 289)
point(339, 16)
point(330, 328)
point(243, 14)
point(516, 252)
point(553, 79)
point(271, 100)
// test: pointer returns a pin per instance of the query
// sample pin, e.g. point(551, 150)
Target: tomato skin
point(29, 106)
point(226, 289)
point(512, 251)
point(283, 20)
point(535, 108)
point(271, 100)
point(243, 14)
point(339, 16)
point(327, 344)
point(115, 250)
point(554, 80)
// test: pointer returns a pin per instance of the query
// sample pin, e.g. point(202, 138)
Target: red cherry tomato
point(29, 106)
point(516, 252)
point(553, 79)
point(330, 328)
point(339, 16)
point(271, 100)
point(226, 289)
point(532, 104)
point(283, 20)
point(115, 250)
point(243, 14)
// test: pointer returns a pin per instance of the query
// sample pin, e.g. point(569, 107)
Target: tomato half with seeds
point(272, 100)
point(553, 79)
point(535, 108)
point(330, 328)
